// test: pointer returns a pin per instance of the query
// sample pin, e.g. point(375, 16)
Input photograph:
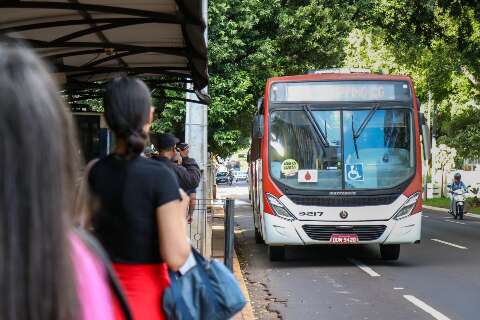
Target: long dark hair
point(127, 104)
point(38, 165)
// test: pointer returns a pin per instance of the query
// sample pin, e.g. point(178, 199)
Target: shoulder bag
point(208, 291)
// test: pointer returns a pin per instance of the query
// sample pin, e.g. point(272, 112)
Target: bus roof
point(339, 76)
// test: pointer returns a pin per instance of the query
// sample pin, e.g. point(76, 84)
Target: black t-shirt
point(128, 193)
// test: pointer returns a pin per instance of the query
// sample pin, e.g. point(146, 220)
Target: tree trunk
point(441, 189)
point(469, 75)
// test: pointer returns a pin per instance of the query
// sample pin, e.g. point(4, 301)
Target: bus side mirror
point(258, 126)
point(260, 105)
point(427, 148)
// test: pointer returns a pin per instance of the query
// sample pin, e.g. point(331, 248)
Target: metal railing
point(200, 225)
point(202, 221)
point(229, 221)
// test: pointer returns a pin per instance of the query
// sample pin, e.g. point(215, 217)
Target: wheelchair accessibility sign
point(354, 172)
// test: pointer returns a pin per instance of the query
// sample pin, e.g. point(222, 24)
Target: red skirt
point(143, 285)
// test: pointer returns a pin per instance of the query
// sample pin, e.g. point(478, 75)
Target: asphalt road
point(436, 279)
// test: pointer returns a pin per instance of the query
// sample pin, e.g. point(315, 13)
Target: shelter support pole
point(196, 135)
point(196, 126)
point(229, 232)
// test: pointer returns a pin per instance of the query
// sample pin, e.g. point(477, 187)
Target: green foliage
point(463, 133)
point(436, 42)
point(253, 40)
point(169, 115)
point(438, 202)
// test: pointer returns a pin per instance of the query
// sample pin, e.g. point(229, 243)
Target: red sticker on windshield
point(308, 176)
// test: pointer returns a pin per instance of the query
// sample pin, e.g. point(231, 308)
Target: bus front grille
point(343, 201)
point(364, 232)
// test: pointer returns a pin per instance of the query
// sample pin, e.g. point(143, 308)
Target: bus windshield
point(347, 149)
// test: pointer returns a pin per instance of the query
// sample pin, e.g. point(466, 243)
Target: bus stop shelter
point(89, 42)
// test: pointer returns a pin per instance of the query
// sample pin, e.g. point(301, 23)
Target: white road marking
point(425, 307)
point(457, 222)
point(450, 244)
point(343, 292)
point(398, 288)
point(364, 267)
point(473, 215)
point(426, 216)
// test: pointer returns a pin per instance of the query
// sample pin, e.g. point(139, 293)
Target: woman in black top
point(139, 215)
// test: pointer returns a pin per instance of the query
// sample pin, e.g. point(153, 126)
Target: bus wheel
point(276, 253)
point(258, 236)
point(390, 251)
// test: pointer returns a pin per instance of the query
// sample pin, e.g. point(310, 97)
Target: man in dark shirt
point(184, 150)
point(186, 169)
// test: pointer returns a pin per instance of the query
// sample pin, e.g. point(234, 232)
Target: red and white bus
point(336, 159)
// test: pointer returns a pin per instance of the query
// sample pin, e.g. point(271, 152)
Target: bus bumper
point(407, 230)
point(277, 231)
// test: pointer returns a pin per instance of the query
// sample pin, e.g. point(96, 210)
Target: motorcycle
point(459, 203)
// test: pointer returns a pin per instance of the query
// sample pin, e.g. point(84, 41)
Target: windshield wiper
point(357, 133)
point(316, 127)
point(354, 139)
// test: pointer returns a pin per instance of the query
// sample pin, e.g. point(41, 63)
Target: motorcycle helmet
point(457, 176)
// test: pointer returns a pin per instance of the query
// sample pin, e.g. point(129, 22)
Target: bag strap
point(180, 304)
point(205, 265)
point(175, 288)
point(115, 286)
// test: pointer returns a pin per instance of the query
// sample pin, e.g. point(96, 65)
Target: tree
point(436, 42)
point(434, 68)
point(444, 161)
point(463, 133)
point(453, 24)
point(252, 40)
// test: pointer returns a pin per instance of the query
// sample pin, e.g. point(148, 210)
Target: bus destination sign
point(324, 91)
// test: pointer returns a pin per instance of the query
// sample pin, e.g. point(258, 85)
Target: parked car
point(223, 177)
point(240, 175)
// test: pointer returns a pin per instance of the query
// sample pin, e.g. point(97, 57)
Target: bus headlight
point(279, 209)
point(407, 208)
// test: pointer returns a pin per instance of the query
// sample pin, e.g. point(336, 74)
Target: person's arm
point(192, 167)
point(174, 245)
point(188, 176)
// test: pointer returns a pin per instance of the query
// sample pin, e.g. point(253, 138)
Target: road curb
point(443, 210)
point(247, 312)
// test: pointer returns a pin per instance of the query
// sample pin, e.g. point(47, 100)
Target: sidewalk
point(218, 246)
point(443, 210)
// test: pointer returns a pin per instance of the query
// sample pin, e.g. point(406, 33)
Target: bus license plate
point(343, 238)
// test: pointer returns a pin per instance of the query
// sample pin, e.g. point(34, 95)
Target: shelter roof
point(89, 41)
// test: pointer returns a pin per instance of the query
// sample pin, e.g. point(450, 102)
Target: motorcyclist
point(457, 184)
